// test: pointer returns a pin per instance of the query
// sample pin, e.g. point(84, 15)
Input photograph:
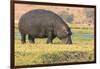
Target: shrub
point(66, 16)
point(66, 56)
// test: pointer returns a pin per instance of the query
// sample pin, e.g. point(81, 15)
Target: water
point(85, 35)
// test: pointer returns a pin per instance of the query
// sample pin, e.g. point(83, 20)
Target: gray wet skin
point(41, 23)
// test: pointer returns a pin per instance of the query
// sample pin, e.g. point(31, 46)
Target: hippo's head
point(65, 35)
point(67, 39)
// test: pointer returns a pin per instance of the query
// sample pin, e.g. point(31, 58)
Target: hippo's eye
point(65, 31)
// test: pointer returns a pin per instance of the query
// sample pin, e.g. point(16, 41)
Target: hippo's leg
point(50, 37)
point(31, 39)
point(23, 38)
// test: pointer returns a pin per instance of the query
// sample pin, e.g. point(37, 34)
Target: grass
point(42, 53)
point(81, 50)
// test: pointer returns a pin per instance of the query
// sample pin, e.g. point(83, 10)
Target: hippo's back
point(37, 21)
point(40, 13)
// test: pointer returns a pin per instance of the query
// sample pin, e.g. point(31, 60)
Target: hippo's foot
point(31, 41)
point(23, 42)
point(49, 42)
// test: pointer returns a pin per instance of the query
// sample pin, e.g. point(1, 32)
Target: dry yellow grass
point(42, 53)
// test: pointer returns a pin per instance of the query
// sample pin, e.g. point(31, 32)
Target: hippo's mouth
point(67, 40)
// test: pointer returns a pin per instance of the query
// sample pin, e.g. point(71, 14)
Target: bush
point(89, 12)
point(66, 57)
point(66, 16)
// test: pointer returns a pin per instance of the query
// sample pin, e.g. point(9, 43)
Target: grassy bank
point(42, 53)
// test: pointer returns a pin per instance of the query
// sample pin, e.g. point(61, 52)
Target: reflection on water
point(84, 35)
point(17, 35)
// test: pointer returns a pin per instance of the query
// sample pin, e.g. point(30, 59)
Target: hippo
point(40, 23)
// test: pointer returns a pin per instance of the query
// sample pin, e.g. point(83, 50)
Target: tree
point(66, 16)
point(89, 12)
